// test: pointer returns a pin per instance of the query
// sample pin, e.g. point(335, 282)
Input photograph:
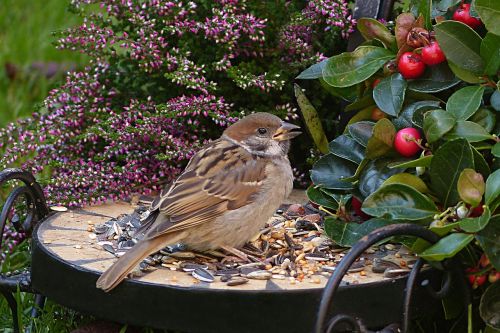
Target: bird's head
point(263, 134)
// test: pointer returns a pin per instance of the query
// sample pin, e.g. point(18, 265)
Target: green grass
point(26, 28)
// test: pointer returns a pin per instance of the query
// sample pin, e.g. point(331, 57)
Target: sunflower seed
point(259, 275)
point(183, 255)
point(330, 269)
point(248, 270)
point(189, 267)
point(380, 265)
point(150, 261)
point(59, 208)
point(101, 228)
point(304, 225)
point(117, 229)
point(144, 266)
point(357, 266)
point(393, 273)
point(228, 272)
point(225, 278)
point(236, 282)
point(203, 275)
point(316, 256)
point(109, 248)
point(126, 244)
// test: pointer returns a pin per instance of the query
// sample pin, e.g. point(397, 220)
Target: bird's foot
point(235, 252)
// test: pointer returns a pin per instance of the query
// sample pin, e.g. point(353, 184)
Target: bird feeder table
point(67, 262)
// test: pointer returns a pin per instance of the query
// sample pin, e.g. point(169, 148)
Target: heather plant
point(165, 77)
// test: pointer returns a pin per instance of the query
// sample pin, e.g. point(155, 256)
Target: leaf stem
point(323, 209)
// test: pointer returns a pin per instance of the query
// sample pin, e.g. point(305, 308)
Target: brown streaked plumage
point(224, 196)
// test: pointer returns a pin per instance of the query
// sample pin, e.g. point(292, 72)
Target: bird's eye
point(262, 130)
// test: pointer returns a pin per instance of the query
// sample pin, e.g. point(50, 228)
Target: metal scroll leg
point(38, 306)
point(11, 301)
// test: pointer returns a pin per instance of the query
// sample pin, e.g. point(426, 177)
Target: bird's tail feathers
point(119, 270)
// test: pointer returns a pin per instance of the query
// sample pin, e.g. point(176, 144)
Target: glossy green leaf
point(347, 234)
point(329, 171)
point(490, 52)
point(480, 163)
point(424, 9)
point(374, 175)
point(492, 191)
point(470, 187)
point(380, 143)
point(489, 11)
point(468, 130)
point(312, 120)
point(447, 247)
point(361, 131)
point(435, 79)
point(350, 68)
point(423, 161)
point(347, 94)
point(489, 308)
point(373, 29)
point(461, 45)
point(362, 115)
point(437, 123)
point(360, 103)
point(444, 230)
point(463, 74)
point(313, 72)
point(485, 118)
point(359, 169)
point(346, 147)
point(399, 202)
point(465, 102)
point(421, 96)
point(405, 118)
point(489, 239)
point(389, 94)
point(496, 150)
point(317, 196)
point(495, 100)
point(440, 7)
point(407, 179)
point(446, 165)
point(475, 224)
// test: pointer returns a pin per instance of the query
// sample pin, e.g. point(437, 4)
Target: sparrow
point(225, 195)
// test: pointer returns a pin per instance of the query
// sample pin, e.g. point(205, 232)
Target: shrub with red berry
point(433, 158)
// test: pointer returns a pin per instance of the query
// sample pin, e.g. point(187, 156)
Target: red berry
point(410, 65)
point(432, 54)
point(471, 274)
point(494, 277)
point(356, 206)
point(405, 142)
point(484, 261)
point(476, 211)
point(480, 280)
point(462, 14)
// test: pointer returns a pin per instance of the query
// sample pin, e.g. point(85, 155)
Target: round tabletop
point(67, 260)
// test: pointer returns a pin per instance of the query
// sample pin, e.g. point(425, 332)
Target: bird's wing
point(221, 177)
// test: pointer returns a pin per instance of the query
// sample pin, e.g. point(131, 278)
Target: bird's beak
point(285, 132)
